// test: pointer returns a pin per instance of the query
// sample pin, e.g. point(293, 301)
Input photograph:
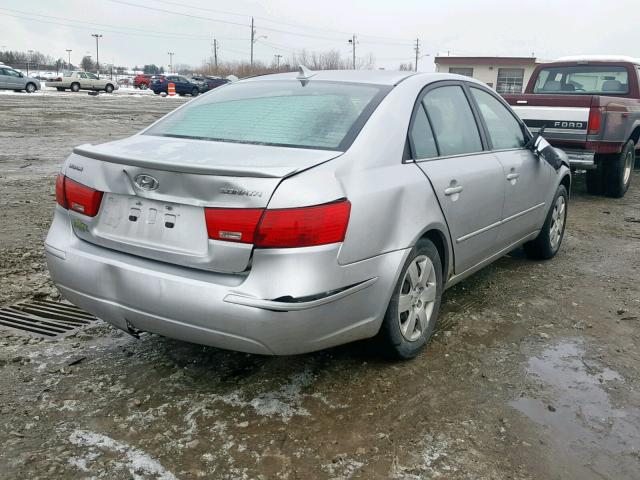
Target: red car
point(142, 81)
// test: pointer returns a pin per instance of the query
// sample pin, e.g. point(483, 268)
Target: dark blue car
point(160, 83)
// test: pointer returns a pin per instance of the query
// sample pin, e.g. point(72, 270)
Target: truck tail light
point(77, 197)
point(595, 120)
point(280, 228)
point(304, 227)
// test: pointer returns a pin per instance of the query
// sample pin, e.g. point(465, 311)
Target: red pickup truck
point(590, 108)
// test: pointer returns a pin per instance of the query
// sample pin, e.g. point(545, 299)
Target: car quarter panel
point(392, 203)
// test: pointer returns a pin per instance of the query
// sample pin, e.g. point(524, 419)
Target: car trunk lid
point(156, 190)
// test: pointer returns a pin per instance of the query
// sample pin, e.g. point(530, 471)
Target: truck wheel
point(617, 171)
point(412, 313)
point(595, 179)
point(548, 241)
point(75, 87)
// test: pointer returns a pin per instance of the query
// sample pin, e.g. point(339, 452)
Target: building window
point(510, 80)
point(467, 72)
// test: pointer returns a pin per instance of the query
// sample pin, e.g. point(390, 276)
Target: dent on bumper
point(245, 313)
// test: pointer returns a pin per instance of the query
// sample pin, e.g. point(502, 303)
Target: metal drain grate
point(45, 318)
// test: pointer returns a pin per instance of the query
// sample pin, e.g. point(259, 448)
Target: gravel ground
point(534, 372)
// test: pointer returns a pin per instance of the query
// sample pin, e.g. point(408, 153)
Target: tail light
point(77, 197)
point(281, 228)
point(595, 120)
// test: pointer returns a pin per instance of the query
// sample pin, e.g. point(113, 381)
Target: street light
point(97, 37)
point(69, 53)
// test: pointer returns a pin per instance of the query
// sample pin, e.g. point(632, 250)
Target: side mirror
point(543, 149)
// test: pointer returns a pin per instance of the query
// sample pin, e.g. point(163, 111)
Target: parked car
point(142, 81)
point(160, 84)
point(209, 83)
point(76, 81)
point(590, 107)
point(11, 79)
point(289, 213)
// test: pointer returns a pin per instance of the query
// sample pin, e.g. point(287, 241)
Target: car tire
point(30, 87)
point(108, 88)
point(618, 171)
point(195, 92)
point(75, 87)
point(143, 86)
point(412, 312)
point(595, 179)
point(549, 240)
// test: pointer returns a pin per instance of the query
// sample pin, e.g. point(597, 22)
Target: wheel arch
point(439, 239)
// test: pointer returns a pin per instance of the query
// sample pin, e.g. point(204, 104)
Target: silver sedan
point(289, 213)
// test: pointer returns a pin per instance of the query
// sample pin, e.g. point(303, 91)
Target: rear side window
point(504, 129)
point(583, 79)
point(424, 145)
point(454, 126)
point(290, 113)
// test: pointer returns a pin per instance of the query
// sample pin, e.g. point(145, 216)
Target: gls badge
point(146, 182)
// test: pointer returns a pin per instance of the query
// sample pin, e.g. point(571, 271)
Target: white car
point(76, 81)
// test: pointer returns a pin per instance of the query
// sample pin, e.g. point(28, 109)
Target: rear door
point(449, 147)
point(525, 176)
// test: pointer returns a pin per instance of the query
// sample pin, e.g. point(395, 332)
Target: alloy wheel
point(417, 298)
point(558, 217)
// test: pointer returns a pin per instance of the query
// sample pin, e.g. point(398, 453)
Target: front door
point(468, 181)
point(525, 176)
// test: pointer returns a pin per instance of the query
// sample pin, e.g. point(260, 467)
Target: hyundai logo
point(146, 182)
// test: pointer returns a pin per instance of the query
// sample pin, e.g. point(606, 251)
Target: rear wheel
point(617, 171)
point(548, 241)
point(75, 87)
point(413, 309)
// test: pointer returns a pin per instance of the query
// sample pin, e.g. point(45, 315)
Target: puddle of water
point(596, 439)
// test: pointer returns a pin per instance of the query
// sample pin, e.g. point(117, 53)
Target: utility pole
point(417, 49)
point(278, 57)
point(253, 36)
point(352, 41)
point(69, 53)
point(171, 54)
point(30, 52)
point(215, 54)
point(97, 37)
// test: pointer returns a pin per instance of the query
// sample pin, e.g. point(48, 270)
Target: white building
point(505, 74)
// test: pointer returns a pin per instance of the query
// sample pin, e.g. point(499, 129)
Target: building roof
point(485, 60)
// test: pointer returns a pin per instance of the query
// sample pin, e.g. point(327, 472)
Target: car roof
point(375, 77)
point(598, 58)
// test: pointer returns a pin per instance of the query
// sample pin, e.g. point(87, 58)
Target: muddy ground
point(534, 372)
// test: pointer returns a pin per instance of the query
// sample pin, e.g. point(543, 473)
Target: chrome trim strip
point(296, 306)
point(497, 224)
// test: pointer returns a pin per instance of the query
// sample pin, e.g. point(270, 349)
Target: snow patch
point(138, 462)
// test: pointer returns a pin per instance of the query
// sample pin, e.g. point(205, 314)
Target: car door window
point(91, 76)
point(504, 130)
point(82, 75)
point(424, 145)
point(11, 73)
point(454, 126)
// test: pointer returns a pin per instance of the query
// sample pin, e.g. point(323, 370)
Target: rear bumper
point(292, 301)
point(581, 158)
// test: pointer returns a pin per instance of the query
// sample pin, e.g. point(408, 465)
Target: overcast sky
point(135, 32)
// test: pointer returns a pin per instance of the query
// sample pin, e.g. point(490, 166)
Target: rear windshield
point(585, 80)
point(290, 113)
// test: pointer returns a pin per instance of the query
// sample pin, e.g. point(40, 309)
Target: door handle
point(512, 176)
point(453, 190)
